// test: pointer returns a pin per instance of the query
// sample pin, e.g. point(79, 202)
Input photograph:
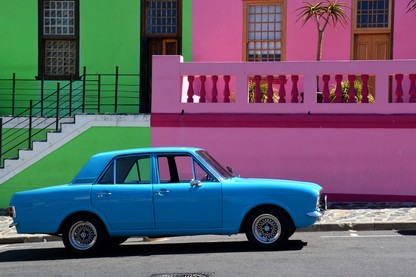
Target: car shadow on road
point(141, 249)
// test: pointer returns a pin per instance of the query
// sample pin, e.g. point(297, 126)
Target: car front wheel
point(83, 235)
point(267, 228)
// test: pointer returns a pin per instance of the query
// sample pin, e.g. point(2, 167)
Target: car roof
point(95, 165)
point(146, 150)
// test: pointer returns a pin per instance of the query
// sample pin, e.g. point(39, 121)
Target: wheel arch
point(259, 207)
point(81, 213)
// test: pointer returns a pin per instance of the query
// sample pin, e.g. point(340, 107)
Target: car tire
point(268, 228)
point(84, 235)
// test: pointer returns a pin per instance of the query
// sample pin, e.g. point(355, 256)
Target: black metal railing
point(31, 108)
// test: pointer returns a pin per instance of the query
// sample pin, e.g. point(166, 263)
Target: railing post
point(338, 89)
point(30, 125)
point(116, 92)
point(364, 91)
point(70, 95)
point(257, 91)
point(190, 89)
point(13, 93)
point(351, 89)
point(325, 92)
point(57, 107)
point(282, 91)
point(42, 94)
point(399, 89)
point(202, 90)
point(83, 88)
point(99, 93)
point(269, 92)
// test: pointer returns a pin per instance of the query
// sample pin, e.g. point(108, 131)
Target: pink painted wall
point(361, 149)
point(404, 45)
point(343, 161)
point(218, 29)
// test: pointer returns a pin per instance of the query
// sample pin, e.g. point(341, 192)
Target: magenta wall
point(404, 44)
point(363, 162)
point(218, 29)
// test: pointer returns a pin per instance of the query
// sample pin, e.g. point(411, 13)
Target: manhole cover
point(182, 275)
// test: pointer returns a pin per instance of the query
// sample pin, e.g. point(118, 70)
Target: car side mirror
point(195, 183)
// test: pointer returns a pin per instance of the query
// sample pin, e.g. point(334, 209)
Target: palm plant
point(411, 6)
point(325, 13)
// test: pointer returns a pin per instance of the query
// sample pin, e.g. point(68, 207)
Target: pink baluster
point(399, 88)
point(203, 93)
point(351, 90)
point(294, 92)
point(214, 89)
point(412, 90)
point(257, 91)
point(338, 90)
point(325, 92)
point(227, 89)
point(282, 91)
point(270, 89)
point(364, 91)
point(190, 89)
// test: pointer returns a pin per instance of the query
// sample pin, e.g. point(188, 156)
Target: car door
point(186, 195)
point(124, 193)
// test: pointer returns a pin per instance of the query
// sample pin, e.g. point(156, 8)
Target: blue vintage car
point(156, 192)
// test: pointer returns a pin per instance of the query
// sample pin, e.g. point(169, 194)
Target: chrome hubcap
point(83, 235)
point(266, 228)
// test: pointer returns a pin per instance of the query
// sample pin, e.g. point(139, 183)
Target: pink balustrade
point(273, 120)
point(285, 87)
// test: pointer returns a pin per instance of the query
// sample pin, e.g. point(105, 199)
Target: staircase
point(70, 128)
point(42, 109)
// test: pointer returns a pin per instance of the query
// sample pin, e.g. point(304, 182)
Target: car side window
point(180, 169)
point(128, 170)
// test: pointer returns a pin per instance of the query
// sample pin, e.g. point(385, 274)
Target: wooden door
point(372, 47)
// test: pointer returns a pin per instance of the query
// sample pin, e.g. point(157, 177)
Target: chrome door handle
point(104, 193)
point(162, 192)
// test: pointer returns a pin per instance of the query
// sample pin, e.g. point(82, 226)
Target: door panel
point(126, 207)
point(124, 194)
point(372, 47)
point(180, 205)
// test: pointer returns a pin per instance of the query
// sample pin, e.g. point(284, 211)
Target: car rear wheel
point(267, 228)
point(83, 235)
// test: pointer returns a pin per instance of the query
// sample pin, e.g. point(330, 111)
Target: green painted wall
point(187, 30)
point(63, 164)
point(19, 31)
point(110, 36)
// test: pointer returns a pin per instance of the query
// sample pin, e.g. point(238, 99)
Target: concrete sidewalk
point(338, 217)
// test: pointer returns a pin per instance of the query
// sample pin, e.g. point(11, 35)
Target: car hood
point(289, 184)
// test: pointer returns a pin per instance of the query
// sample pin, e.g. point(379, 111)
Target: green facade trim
point(63, 164)
point(187, 30)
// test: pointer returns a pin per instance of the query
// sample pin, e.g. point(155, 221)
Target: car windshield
point(226, 173)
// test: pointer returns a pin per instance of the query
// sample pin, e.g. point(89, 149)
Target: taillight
point(12, 211)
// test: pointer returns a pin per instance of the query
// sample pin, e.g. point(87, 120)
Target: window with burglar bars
point(161, 17)
point(264, 38)
point(372, 14)
point(58, 39)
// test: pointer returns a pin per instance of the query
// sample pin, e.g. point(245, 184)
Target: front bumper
point(320, 210)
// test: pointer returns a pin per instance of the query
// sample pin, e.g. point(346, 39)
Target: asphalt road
point(382, 253)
